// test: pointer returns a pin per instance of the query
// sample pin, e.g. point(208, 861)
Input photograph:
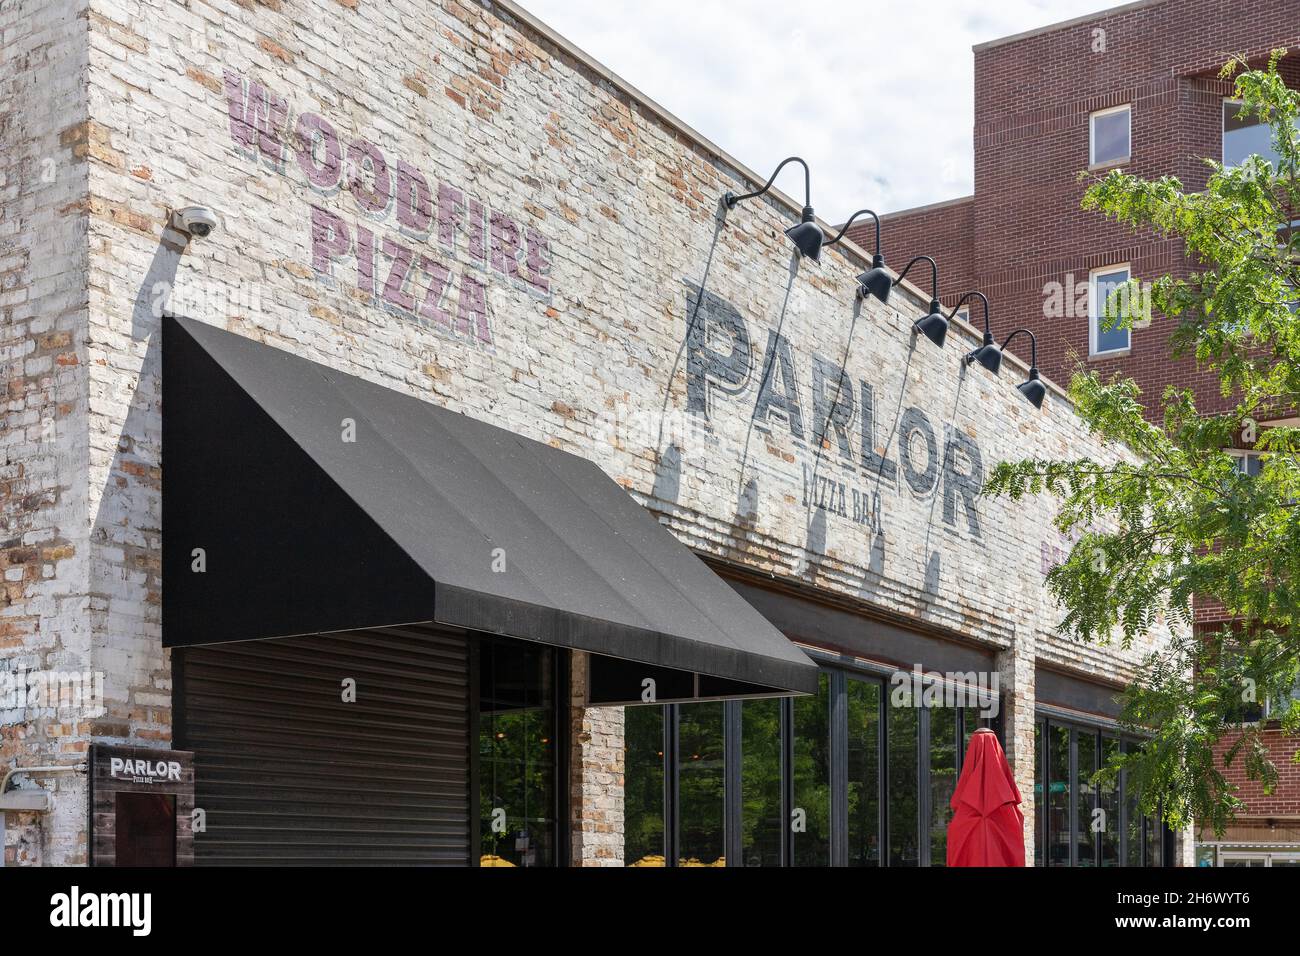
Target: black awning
point(276, 524)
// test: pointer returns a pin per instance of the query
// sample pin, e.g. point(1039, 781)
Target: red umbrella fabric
point(987, 827)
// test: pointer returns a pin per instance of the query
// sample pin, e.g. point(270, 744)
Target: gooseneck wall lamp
point(988, 354)
point(933, 325)
point(876, 280)
point(807, 236)
point(1032, 388)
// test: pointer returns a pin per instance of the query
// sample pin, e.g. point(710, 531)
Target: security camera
point(195, 221)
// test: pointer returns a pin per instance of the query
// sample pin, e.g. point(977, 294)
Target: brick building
point(1134, 87)
point(389, 519)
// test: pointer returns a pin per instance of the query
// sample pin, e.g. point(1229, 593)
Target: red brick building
point(1134, 87)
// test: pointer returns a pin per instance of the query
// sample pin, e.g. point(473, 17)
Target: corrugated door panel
point(287, 773)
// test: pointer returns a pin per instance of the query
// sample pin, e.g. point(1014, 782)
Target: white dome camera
point(197, 222)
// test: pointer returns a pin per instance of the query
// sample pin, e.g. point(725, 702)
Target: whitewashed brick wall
point(46, 145)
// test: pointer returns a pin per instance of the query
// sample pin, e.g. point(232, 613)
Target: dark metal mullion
point(732, 744)
point(839, 769)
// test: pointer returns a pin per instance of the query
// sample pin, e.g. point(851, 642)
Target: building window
point(761, 823)
point(1108, 804)
point(810, 829)
point(858, 774)
point(643, 786)
point(701, 785)
point(863, 699)
point(1085, 794)
point(1247, 462)
point(1082, 823)
point(904, 730)
point(517, 753)
point(1109, 136)
point(1246, 855)
point(944, 767)
point(1245, 135)
point(1059, 824)
point(1102, 338)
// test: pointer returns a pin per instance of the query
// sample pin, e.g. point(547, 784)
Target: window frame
point(1094, 312)
point(1093, 161)
point(838, 730)
point(1223, 127)
point(1079, 814)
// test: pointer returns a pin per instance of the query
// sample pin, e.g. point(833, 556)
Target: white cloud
point(877, 98)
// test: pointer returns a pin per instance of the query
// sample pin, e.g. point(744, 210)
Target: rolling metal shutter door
point(287, 773)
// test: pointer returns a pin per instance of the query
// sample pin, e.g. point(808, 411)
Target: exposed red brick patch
point(204, 79)
point(275, 50)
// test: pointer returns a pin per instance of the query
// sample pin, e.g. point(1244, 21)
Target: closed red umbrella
point(987, 827)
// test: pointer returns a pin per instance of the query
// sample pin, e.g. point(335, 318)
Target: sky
point(877, 97)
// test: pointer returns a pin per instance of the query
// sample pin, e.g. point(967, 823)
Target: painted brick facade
point(46, 146)
point(445, 199)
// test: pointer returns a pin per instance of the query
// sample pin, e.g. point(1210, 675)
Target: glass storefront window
point(1058, 796)
point(701, 783)
point(1155, 842)
point(903, 808)
point(516, 754)
point(943, 779)
point(864, 772)
point(760, 781)
point(755, 777)
point(1105, 827)
point(1108, 802)
point(811, 811)
point(643, 786)
point(1088, 824)
point(1133, 824)
point(1040, 808)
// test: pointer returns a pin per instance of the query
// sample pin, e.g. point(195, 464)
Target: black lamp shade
point(876, 281)
point(988, 354)
point(807, 238)
point(935, 325)
point(1033, 389)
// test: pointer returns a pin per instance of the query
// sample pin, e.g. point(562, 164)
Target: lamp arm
point(934, 274)
point(1033, 345)
point(860, 212)
point(982, 297)
point(807, 184)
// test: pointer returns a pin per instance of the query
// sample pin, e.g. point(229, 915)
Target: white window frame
point(1223, 123)
point(1243, 456)
point(1093, 162)
point(1223, 133)
point(1266, 855)
point(1094, 312)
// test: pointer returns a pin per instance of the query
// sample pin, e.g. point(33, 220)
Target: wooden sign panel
point(141, 806)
